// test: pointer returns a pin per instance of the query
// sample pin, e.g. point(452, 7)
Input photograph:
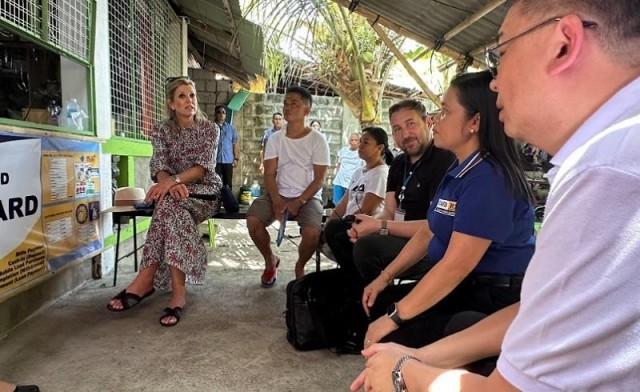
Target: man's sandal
point(128, 300)
point(171, 312)
point(269, 276)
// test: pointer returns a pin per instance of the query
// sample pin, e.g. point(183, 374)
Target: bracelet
point(396, 374)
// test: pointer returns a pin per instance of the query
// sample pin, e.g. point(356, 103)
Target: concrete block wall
point(142, 177)
point(255, 117)
point(211, 92)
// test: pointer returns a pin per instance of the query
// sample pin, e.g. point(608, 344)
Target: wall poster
point(49, 205)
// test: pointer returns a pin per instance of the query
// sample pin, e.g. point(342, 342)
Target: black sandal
point(26, 388)
point(128, 300)
point(171, 312)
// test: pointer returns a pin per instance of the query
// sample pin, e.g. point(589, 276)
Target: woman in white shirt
point(365, 194)
point(348, 162)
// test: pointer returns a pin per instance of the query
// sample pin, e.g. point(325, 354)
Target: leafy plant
point(319, 40)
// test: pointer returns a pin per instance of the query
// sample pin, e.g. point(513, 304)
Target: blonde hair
point(170, 90)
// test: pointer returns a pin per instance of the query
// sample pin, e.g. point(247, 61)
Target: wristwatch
point(392, 312)
point(176, 179)
point(396, 373)
point(383, 228)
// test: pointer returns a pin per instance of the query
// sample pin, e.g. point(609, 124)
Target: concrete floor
point(231, 336)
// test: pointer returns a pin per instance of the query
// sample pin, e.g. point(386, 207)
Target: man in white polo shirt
point(577, 328)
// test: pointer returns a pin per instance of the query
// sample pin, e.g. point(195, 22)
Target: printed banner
point(22, 249)
point(49, 205)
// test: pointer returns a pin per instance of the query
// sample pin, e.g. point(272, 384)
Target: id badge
point(399, 215)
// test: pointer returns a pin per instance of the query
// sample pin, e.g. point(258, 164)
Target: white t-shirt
point(349, 162)
point(367, 181)
point(578, 328)
point(296, 158)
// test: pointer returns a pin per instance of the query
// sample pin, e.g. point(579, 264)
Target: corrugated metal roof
point(222, 39)
point(428, 21)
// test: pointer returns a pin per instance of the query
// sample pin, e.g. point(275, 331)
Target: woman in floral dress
point(183, 164)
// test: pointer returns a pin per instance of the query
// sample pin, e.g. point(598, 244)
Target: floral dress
point(173, 238)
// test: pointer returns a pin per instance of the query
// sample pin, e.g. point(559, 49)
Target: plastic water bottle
point(71, 113)
point(255, 189)
point(74, 115)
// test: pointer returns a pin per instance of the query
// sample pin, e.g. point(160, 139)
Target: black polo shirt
point(422, 185)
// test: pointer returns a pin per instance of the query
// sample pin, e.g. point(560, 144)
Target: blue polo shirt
point(228, 137)
point(474, 198)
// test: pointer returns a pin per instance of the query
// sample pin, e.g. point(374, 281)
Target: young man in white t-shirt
point(295, 166)
point(577, 327)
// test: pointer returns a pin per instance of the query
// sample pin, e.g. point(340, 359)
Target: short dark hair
point(315, 121)
point(302, 92)
point(218, 107)
point(476, 97)
point(618, 22)
point(276, 114)
point(410, 104)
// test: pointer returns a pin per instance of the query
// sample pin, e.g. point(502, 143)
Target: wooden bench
point(129, 212)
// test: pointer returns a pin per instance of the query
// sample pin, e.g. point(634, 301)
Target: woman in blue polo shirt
point(479, 235)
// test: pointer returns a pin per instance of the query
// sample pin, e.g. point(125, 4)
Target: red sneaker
point(269, 276)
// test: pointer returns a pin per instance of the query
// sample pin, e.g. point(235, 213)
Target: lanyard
point(473, 162)
point(412, 170)
point(479, 157)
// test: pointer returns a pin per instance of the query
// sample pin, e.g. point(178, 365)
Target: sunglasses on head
point(171, 79)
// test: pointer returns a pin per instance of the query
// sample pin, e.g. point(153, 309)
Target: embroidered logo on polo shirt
point(446, 207)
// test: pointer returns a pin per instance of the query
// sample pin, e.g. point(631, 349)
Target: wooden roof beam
point(234, 46)
point(487, 9)
point(378, 19)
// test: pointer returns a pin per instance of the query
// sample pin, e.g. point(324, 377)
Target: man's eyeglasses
point(492, 53)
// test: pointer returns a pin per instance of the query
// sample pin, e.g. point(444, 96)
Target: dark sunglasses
point(492, 54)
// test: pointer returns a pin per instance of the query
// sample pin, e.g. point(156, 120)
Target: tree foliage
point(320, 40)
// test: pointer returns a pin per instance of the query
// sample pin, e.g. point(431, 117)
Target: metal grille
point(68, 23)
point(69, 26)
point(145, 48)
point(24, 14)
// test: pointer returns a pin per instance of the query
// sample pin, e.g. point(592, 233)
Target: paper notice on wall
point(58, 179)
point(71, 193)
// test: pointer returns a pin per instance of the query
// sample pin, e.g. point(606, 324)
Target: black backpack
point(324, 311)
